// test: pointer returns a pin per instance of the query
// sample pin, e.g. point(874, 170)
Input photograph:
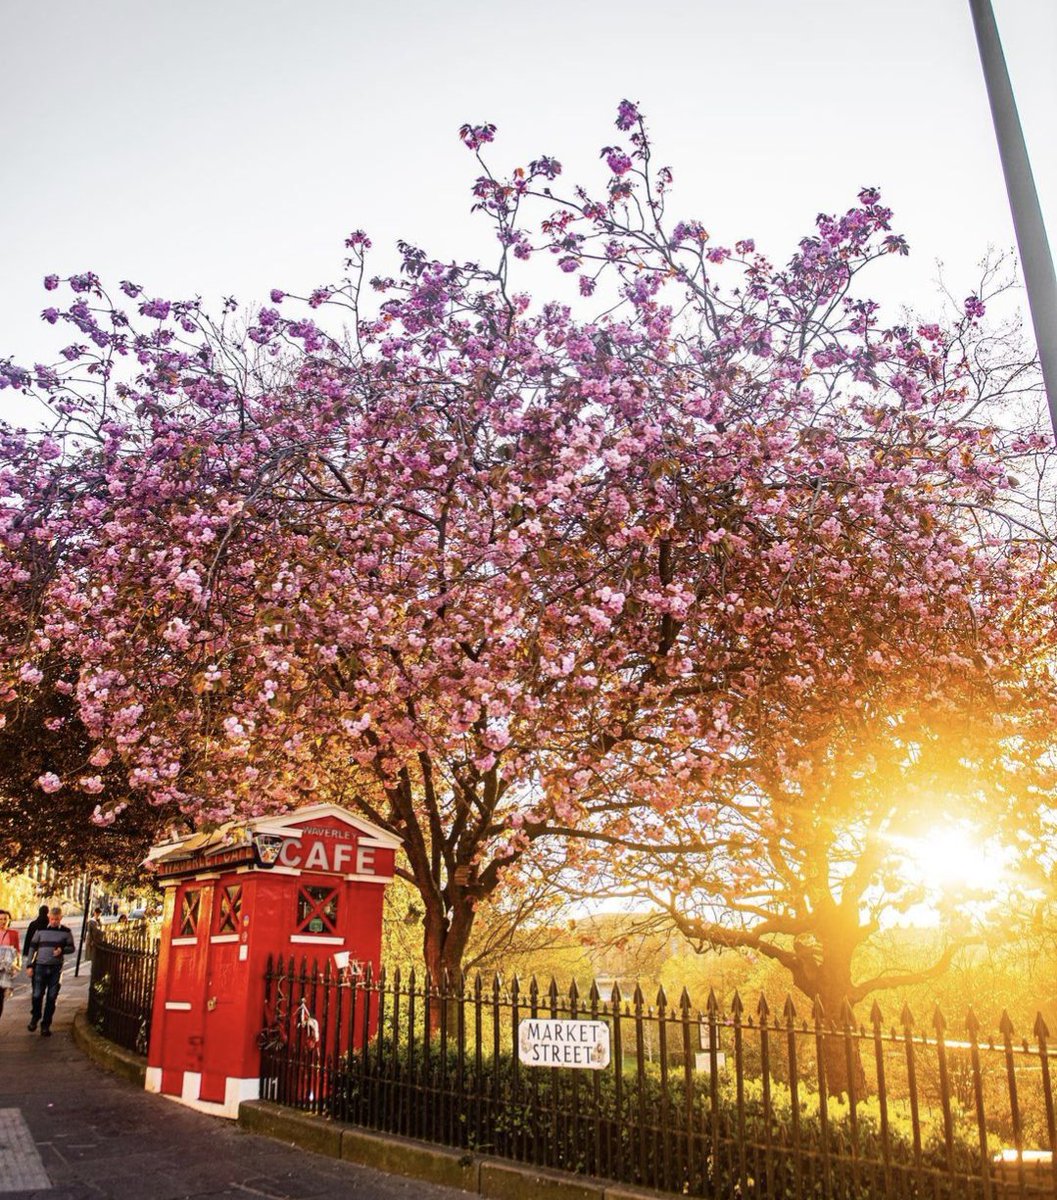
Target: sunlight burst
point(954, 858)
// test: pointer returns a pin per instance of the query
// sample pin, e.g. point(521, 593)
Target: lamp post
point(1034, 247)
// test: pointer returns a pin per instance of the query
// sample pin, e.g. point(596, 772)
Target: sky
point(225, 147)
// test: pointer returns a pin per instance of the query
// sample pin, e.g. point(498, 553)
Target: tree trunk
point(841, 1057)
point(444, 939)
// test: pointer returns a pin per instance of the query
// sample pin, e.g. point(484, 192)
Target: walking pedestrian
point(9, 956)
point(95, 932)
point(40, 921)
point(48, 948)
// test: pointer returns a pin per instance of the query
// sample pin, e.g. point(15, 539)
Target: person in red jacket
point(9, 956)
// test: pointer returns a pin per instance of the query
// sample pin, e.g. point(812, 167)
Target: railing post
point(1005, 1027)
point(818, 1016)
point(619, 1123)
point(852, 1064)
point(665, 1117)
point(882, 1094)
point(688, 1090)
point(596, 1092)
point(737, 1008)
point(763, 1012)
point(972, 1025)
point(478, 1071)
point(789, 1012)
point(517, 1137)
point(637, 1003)
point(715, 1118)
point(1041, 1037)
point(906, 1018)
point(939, 1023)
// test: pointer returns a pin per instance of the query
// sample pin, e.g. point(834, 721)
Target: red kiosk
point(310, 882)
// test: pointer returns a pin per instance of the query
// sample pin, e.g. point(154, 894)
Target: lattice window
point(190, 908)
point(317, 909)
point(230, 913)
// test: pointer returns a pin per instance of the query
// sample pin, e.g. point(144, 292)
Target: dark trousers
point(46, 983)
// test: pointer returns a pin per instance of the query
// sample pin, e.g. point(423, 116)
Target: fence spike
point(684, 1001)
point(574, 991)
point(552, 991)
point(662, 999)
point(396, 977)
point(789, 1008)
point(818, 1010)
point(939, 1021)
point(594, 995)
point(1005, 1025)
point(381, 975)
point(478, 985)
point(1039, 1029)
point(713, 1004)
point(411, 979)
point(615, 997)
point(972, 1023)
point(515, 987)
point(847, 1014)
point(763, 1008)
point(637, 997)
point(534, 987)
point(906, 1017)
point(497, 985)
point(736, 1006)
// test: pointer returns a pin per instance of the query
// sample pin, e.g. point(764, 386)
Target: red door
point(225, 1017)
point(184, 1011)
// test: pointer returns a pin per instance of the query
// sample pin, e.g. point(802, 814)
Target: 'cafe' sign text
point(334, 851)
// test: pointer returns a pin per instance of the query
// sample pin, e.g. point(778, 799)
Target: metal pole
point(1034, 248)
point(84, 926)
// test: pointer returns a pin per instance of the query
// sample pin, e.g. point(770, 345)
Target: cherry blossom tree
point(492, 570)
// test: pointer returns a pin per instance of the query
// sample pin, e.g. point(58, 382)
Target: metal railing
point(121, 988)
point(700, 1102)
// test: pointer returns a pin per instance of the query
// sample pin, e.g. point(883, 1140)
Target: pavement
point(71, 1131)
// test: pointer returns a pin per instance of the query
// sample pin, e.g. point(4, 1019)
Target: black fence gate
point(121, 988)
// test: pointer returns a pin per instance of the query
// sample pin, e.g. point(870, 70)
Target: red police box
point(308, 883)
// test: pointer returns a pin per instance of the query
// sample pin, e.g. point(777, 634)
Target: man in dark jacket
point(48, 947)
point(40, 921)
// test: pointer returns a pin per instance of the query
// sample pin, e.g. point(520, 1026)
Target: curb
point(498, 1179)
point(115, 1059)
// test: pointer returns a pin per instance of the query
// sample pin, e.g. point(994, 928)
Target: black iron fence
point(706, 1103)
point(121, 989)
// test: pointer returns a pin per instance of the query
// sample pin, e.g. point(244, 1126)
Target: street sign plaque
point(546, 1042)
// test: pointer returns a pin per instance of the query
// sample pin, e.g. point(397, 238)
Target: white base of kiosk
point(235, 1091)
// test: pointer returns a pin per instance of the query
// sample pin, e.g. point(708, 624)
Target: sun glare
point(954, 858)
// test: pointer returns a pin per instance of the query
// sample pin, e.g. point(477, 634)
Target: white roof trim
point(286, 823)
